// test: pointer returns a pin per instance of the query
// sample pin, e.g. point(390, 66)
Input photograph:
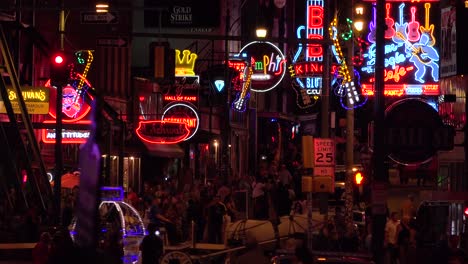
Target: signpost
point(112, 42)
point(91, 17)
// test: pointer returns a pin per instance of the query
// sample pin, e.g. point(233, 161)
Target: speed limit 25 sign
point(324, 152)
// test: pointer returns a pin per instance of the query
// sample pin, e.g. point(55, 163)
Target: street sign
point(324, 171)
point(112, 42)
point(91, 17)
point(324, 152)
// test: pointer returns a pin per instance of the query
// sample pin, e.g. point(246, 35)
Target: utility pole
point(380, 177)
point(58, 126)
point(349, 130)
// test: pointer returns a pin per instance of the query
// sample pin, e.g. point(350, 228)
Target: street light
point(261, 32)
point(359, 17)
point(102, 7)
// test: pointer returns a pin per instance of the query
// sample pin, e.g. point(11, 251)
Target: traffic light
point(466, 211)
point(358, 178)
point(59, 70)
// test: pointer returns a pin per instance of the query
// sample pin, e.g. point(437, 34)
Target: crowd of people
point(200, 210)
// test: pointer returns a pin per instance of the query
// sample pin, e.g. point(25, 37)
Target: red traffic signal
point(358, 178)
point(58, 59)
point(466, 211)
point(59, 70)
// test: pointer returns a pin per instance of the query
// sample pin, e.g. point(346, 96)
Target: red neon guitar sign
point(413, 27)
point(389, 32)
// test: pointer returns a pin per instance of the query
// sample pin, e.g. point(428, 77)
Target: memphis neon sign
point(411, 54)
point(268, 64)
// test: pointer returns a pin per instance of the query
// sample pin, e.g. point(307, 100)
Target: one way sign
point(99, 18)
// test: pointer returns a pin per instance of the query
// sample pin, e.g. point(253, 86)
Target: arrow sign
point(112, 42)
point(99, 18)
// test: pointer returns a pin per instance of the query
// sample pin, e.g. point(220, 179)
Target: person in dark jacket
point(152, 246)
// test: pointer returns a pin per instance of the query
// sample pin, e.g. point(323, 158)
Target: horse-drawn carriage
point(268, 234)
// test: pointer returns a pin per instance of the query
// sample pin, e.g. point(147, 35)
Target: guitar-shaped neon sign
point(72, 106)
point(420, 54)
point(240, 104)
point(428, 29)
point(389, 32)
point(401, 27)
point(373, 25)
point(347, 88)
point(413, 27)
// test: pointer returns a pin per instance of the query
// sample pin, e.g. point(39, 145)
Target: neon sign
point(162, 132)
point(35, 98)
point(268, 65)
point(69, 136)
point(187, 98)
point(346, 88)
point(240, 104)
point(185, 66)
point(183, 113)
point(411, 54)
point(399, 90)
point(307, 61)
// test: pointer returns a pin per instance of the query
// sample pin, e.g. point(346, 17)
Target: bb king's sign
point(162, 132)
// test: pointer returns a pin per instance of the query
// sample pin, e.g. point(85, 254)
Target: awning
point(165, 150)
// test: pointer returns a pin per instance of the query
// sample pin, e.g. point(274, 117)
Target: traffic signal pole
point(380, 177)
point(349, 132)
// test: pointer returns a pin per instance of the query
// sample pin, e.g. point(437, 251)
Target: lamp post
point(380, 178)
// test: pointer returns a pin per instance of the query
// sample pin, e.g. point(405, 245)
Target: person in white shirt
point(284, 176)
point(260, 206)
point(391, 238)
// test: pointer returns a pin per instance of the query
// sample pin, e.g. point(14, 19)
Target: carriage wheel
point(176, 257)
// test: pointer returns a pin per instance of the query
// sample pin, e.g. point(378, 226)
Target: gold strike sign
point(35, 98)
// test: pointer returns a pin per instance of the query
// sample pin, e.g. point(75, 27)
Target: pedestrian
point(40, 252)
point(152, 246)
point(259, 199)
point(390, 241)
point(403, 233)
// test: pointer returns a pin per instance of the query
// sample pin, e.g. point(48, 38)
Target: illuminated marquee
point(268, 65)
point(183, 113)
point(411, 53)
